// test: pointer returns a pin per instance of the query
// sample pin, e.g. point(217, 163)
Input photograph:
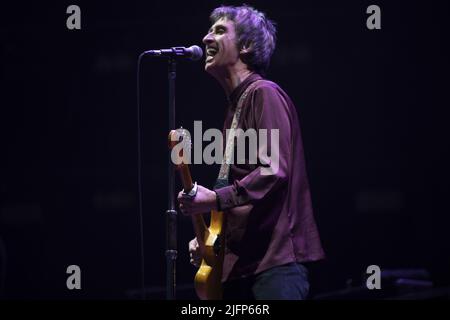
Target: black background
point(372, 106)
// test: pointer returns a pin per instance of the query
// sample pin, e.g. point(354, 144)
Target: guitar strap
point(222, 179)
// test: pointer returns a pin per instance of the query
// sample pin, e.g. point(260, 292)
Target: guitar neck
point(197, 219)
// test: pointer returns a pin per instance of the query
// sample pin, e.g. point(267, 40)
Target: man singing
point(270, 233)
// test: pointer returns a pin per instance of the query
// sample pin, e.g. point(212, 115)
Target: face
point(221, 48)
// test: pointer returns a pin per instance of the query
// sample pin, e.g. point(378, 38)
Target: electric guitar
point(208, 284)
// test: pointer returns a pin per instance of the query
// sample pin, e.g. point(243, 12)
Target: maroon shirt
point(269, 217)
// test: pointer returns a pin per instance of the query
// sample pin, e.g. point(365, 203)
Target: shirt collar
point(239, 90)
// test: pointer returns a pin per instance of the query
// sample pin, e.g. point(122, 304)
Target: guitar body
point(208, 280)
point(211, 241)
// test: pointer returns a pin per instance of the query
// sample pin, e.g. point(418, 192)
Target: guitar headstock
point(180, 145)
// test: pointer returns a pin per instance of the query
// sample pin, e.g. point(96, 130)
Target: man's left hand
point(204, 201)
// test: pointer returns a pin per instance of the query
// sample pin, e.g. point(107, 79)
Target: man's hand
point(204, 201)
point(194, 252)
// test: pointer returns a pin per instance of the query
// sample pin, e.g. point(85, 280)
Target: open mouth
point(210, 53)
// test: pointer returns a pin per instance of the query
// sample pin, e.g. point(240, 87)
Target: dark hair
point(254, 31)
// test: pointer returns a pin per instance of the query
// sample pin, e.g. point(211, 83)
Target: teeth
point(211, 51)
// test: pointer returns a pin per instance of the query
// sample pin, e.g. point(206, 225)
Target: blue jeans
point(286, 282)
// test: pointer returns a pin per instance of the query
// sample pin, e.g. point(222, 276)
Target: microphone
point(193, 52)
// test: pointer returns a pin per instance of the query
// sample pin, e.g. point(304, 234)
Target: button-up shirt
point(269, 217)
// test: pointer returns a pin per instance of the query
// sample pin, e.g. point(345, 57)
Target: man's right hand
point(194, 252)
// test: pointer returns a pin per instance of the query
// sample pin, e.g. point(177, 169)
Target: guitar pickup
point(217, 245)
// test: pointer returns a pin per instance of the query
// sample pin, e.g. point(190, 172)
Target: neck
point(231, 78)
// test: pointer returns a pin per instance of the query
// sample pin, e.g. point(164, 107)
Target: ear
point(246, 49)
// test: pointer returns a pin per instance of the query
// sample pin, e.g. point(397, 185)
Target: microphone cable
point(139, 180)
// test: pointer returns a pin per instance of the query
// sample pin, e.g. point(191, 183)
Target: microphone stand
point(171, 213)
